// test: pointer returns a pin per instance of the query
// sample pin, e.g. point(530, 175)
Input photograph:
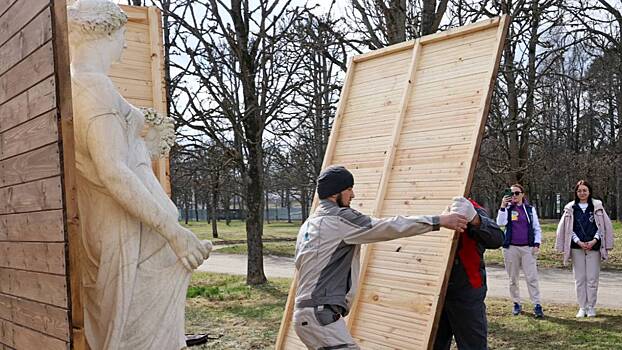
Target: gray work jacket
point(328, 250)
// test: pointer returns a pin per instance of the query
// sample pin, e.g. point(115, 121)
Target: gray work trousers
point(315, 336)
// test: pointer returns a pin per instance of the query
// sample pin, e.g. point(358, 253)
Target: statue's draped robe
point(133, 285)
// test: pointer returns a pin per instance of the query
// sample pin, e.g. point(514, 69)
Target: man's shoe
point(537, 310)
point(591, 312)
point(517, 309)
point(581, 313)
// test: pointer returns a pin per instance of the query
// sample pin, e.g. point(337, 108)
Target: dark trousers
point(466, 321)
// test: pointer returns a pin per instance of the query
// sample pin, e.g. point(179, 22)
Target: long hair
point(589, 187)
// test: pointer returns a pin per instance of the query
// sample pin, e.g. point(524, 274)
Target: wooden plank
point(282, 341)
point(17, 16)
point(480, 26)
point(30, 38)
point(33, 196)
point(35, 286)
point(5, 5)
point(35, 101)
point(389, 50)
point(28, 72)
point(71, 224)
point(388, 164)
point(135, 13)
point(37, 257)
point(42, 226)
point(33, 134)
point(43, 318)
point(20, 337)
point(40, 163)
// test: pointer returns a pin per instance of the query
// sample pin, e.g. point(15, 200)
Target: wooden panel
point(41, 287)
point(410, 127)
point(30, 38)
point(34, 295)
point(35, 101)
point(34, 165)
point(23, 338)
point(38, 132)
point(38, 257)
point(28, 72)
point(18, 15)
point(33, 196)
point(40, 317)
point(41, 226)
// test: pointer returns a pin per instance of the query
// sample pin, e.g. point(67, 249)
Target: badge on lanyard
point(514, 215)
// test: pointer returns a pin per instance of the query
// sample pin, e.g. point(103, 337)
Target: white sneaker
point(581, 313)
point(591, 312)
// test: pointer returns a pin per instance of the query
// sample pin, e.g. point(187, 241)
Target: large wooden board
point(35, 288)
point(140, 75)
point(408, 126)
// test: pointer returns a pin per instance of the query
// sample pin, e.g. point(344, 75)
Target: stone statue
point(136, 259)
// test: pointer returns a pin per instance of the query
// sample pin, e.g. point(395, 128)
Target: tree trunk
point(214, 213)
point(254, 221)
point(288, 202)
point(267, 209)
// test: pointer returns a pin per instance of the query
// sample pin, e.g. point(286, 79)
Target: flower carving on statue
point(160, 134)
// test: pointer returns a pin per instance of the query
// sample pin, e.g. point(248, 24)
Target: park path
point(556, 285)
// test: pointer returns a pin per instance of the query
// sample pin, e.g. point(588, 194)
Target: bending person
point(327, 257)
point(136, 259)
point(464, 313)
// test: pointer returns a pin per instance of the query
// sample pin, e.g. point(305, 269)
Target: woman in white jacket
point(585, 234)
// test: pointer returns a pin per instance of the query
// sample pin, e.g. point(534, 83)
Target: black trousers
point(465, 320)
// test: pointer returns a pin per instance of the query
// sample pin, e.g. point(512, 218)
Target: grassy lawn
point(287, 249)
point(249, 318)
point(549, 258)
point(237, 230)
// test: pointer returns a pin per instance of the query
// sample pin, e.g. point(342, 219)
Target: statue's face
point(118, 38)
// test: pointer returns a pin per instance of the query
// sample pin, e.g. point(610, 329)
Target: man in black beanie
point(328, 251)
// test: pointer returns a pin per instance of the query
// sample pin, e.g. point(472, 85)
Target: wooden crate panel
point(34, 256)
point(28, 72)
point(16, 17)
point(410, 122)
point(41, 226)
point(23, 338)
point(41, 287)
point(35, 101)
point(33, 196)
point(31, 37)
point(44, 318)
point(38, 132)
point(34, 165)
point(4, 5)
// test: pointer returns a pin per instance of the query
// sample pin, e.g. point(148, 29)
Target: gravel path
point(556, 285)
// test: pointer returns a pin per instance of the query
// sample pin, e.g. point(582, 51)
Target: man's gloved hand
point(464, 207)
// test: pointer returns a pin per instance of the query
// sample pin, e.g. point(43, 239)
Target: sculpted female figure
point(136, 259)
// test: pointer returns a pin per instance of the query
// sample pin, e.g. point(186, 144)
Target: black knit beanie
point(333, 180)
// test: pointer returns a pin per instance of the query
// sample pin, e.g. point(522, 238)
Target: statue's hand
point(190, 250)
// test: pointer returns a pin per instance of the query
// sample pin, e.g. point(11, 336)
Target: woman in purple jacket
point(521, 246)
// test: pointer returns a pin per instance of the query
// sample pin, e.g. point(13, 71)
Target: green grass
point(558, 330)
point(237, 230)
point(549, 258)
point(249, 318)
point(287, 249)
